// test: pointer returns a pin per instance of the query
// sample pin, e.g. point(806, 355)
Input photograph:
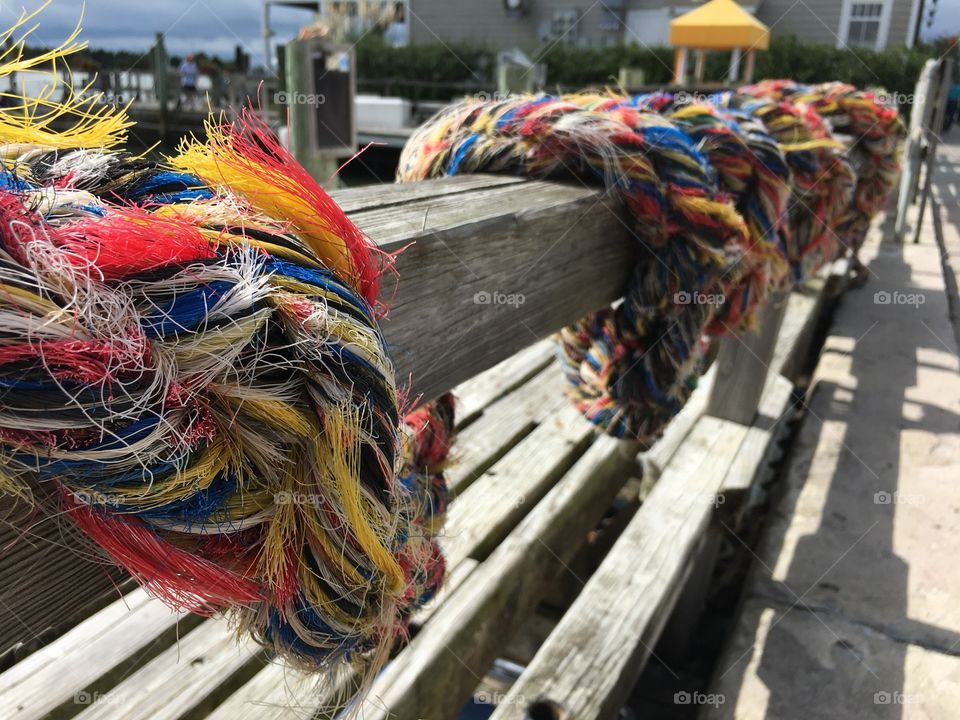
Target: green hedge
point(439, 72)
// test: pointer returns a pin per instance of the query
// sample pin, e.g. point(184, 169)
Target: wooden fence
point(490, 266)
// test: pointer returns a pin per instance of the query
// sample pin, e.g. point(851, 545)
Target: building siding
point(814, 20)
point(899, 22)
point(819, 20)
point(486, 22)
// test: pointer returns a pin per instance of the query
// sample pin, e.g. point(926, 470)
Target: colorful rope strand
point(731, 198)
point(630, 368)
point(877, 132)
point(751, 167)
point(193, 373)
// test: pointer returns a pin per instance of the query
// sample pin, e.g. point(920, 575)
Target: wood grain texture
point(743, 363)
point(437, 672)
point(45, 680)
point(478, 392)
point(503, 424)
point(770, 423)
point(493, 270)
point(178, 680)
point(599, 648)
point(48, 582)
point(658, 456)
point(493, 505)
point(354, 200)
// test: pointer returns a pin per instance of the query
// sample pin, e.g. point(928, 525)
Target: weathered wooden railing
point(490, 266)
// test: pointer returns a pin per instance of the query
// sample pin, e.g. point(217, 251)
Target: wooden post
point(742, 363)
point(267, 34)
point(701, 66)
point(933, 138)
point(160, 82)
point(302, 116)
point(734, 71)
point(919, 120)
point(680, 66)
point(748, 70)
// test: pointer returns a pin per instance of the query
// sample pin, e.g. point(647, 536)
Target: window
point(564, 25)
point(864, 27)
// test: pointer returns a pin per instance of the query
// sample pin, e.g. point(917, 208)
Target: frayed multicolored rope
point(751, 167)
point(877, 133)
point(193, 373)
point(732, 198)
point(630, 368)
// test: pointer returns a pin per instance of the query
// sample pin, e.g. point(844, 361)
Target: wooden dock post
point(161, 86)
point(742, 364)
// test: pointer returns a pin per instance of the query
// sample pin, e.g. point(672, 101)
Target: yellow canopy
point(719, 25)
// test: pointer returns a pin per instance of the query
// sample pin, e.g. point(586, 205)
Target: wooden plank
point(502, 425)
point(456, 576)
point(478, 392)
point(806, 307)
point(796, 331)
point(278, 692)
point(39, 558)
point(354, 200)
point(468, 522)
point(657, 457)
point(437, 672)
point(749, 465)
point(179, 679)
point(492, 271)
point(275, 693)
point(593, 658)
point(743, 363)
point(493, 505)
point(38, 684)
point(477, 519)
point(769, 424)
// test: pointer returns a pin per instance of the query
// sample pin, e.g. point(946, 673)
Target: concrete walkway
point(852, 609)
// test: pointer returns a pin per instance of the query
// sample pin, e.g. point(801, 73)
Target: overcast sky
point(217, 26)
point(211, 26)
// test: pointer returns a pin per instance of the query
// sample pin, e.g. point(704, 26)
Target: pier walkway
point(850, 610)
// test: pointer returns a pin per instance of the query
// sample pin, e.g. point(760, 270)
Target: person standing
point(188, 81)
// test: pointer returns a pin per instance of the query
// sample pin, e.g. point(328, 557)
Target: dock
point(850, 608)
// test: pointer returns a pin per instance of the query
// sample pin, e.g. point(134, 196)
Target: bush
point(895, 69)
point(423, 72)
point(440, 72)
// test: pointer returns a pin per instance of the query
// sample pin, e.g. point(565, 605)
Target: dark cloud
point(212, 26)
